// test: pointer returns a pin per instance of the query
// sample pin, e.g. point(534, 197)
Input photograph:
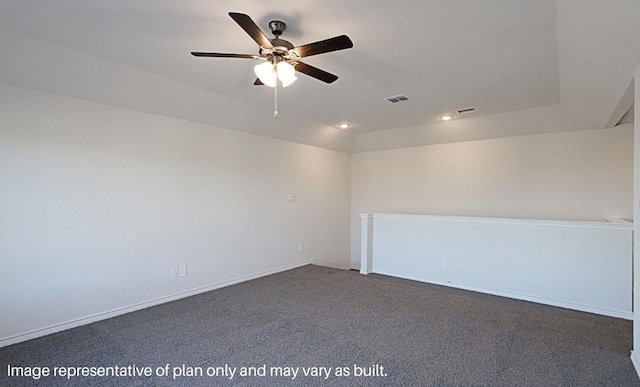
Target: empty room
point(415, 193)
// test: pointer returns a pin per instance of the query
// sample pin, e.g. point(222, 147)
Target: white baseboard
point(132, 308)
point(321, 264)
point(344, 267)
point(636, 362)
point(523, 297)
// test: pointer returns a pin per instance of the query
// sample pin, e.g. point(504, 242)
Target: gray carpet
point(423, 335)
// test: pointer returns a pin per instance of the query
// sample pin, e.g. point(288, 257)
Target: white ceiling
point(500, 56)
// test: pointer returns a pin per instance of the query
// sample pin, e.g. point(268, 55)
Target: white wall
point(635, 354)
point(578, 175)
point(98, 203)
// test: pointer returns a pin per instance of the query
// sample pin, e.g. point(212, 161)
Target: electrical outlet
point(301, 247)
point(182, 271)
point(175, 272)
point(443, 262)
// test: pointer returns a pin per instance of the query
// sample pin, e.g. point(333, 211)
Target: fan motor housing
point(281, 43)
point(281, 47)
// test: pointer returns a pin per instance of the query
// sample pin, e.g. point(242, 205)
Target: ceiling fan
point(282, 59)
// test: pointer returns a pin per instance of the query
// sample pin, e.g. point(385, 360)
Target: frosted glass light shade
point(266, 73)
point(286, 73)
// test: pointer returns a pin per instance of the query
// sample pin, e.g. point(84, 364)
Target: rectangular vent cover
point(397, 98)
point(467, 110)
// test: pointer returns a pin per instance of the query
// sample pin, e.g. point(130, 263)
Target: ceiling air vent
point(467, 110)
point(397, 98)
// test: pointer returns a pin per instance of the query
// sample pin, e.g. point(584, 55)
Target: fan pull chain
point(275, 100)
point(275, 95)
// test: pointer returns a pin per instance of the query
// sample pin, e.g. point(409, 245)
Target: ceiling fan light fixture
point(266, 73)
point(279, 53)
point(269, 74)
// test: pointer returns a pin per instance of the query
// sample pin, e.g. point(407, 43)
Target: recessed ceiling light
point(446, 117)
point(344, 126)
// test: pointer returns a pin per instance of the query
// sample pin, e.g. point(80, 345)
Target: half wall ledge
point(584, 266)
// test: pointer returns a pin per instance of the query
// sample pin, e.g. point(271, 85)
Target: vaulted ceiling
point(526, 66)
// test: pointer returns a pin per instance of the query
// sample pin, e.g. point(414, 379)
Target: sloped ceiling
point(527, 66)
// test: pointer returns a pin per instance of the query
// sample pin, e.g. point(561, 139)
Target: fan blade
point(315, 72)
point(251, 28)
point(333, 44)
point(223, 55)
point(258, 82)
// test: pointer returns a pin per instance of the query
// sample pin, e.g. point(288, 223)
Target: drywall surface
point(579, 265)
point(581, 175)
point(98, 204)
point(635, 354)
point(547, 119)
point(39, 65)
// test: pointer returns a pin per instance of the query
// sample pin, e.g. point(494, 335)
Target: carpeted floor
point(380, 331)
